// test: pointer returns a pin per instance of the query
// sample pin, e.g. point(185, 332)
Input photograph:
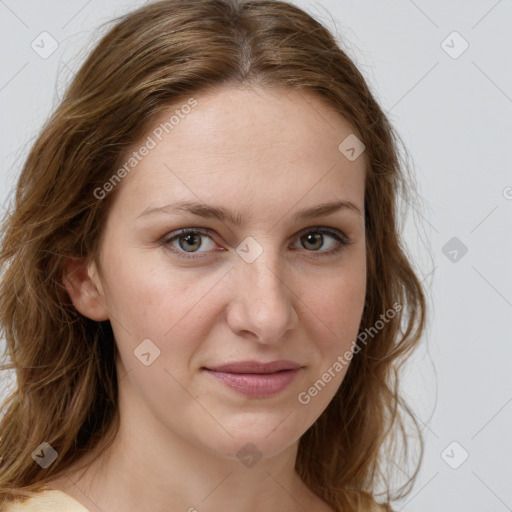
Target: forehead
point(249, 145)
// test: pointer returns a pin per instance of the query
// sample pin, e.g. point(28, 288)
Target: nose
point(263, 303)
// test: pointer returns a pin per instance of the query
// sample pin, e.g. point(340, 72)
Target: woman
point(205, 292)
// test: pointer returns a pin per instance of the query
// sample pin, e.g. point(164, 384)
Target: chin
point(251, 443)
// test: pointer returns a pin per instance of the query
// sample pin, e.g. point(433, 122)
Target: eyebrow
point(223, 214)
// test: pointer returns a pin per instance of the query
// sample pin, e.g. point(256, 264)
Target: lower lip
point(256, 385)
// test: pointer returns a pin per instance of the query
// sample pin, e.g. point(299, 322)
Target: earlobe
point(84, 288)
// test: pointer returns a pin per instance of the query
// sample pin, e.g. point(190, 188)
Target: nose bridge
point(265, 300)
point(263, 278)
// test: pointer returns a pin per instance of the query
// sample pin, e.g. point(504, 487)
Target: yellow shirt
point(50, 500)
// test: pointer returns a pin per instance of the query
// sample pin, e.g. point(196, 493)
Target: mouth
point(255, 379)
point(256, 385)
point(256, 367)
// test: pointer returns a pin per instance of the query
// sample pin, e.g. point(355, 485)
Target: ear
point(84, 288)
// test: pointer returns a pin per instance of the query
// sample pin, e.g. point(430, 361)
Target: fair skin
point(265, 154)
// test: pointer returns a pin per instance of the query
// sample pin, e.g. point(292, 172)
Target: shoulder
point(49, 500)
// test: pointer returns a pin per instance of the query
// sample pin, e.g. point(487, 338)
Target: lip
point(256, 367)
point(254, 379)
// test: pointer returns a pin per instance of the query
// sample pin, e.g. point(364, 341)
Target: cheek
point(172, 308)
point(336, 308)
point(145, 290)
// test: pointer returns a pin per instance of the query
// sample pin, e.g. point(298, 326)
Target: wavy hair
point(149, 59)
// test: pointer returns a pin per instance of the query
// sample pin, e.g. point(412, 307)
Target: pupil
point(188, 242)
point(318, 237)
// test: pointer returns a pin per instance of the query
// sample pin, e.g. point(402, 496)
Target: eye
point(314, 239)
point(189, 241)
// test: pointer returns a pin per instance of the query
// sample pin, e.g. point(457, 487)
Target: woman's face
point(269, 287)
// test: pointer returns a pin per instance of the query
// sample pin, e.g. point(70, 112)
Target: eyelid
point(325, 230)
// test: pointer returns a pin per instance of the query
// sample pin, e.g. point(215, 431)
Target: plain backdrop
point(442, 72)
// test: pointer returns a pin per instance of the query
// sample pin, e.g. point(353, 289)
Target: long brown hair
point(151, 58)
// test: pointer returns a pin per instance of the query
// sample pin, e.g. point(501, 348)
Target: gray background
point(454, 113)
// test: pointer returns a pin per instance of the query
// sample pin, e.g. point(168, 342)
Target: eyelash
point(342, 240)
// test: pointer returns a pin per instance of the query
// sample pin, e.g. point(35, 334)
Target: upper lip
point(256, 367)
